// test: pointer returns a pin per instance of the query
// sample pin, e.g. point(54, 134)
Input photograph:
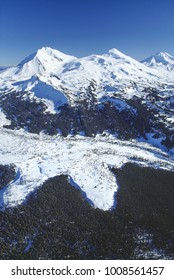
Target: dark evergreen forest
point(57, 223)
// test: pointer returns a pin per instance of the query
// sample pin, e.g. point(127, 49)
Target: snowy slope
point(2, 68)
point(42, 91)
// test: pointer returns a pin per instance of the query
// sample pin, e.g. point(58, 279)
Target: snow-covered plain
point(87, 162)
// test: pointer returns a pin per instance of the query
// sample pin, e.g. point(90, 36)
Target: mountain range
point(87, 157)
point(109, 95)
point(91, 95)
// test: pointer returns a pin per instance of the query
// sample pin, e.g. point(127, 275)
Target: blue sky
point(138, 28)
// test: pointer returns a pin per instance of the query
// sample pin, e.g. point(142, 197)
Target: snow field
point(88, 162)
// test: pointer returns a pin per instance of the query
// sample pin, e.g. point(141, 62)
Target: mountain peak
point(159, 59)
point(116, 53)
point(46, 54)
point(162, 54)
point(54, 53)
point(42, 61)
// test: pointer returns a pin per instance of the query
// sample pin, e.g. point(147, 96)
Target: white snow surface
point(87, 162)
point(43, 91)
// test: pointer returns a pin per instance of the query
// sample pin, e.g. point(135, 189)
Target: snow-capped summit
point(43, 61)
point(118, 55)
point(160, 59)
point(39, 63)
point(47, 54)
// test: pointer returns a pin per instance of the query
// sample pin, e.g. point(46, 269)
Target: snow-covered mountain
point(112, 71)
point(124, 101)
point(109, 89)
point(161, 59)
point(39, 63)
point(103, 125)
